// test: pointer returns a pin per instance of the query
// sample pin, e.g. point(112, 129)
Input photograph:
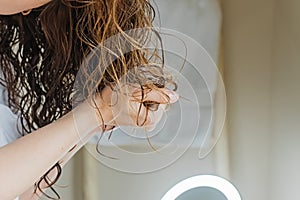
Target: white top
point(8, 121)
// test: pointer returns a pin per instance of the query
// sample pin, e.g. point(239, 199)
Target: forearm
point(27, 159)
point(8, 7)
point(31, 194)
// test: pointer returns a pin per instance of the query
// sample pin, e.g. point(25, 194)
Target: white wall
point(248, 44)
point(263, 89)
point(199, 19)
point(103, 183)
point(285, 148)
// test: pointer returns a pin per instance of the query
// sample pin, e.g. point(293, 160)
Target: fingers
point(138, 107)
point(155, 96)
point(154, 104)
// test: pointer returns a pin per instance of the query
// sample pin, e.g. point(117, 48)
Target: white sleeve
point(8, 121)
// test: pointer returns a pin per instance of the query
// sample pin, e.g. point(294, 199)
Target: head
point(41, 53)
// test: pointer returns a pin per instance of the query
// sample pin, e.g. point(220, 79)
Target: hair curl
point(41, 54)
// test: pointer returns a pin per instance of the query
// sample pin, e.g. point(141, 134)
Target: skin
point(8, 7)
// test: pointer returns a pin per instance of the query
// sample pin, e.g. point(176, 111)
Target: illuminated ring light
point(215, 182)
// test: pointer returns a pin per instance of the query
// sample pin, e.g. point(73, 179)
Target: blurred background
point(256, 47)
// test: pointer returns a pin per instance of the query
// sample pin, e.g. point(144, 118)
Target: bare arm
point(31, 194)
point(8, 7)
point(27, 159)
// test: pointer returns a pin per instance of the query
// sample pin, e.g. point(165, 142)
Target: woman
point(43, 43)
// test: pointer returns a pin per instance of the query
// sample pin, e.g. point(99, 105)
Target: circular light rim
point(216, 182)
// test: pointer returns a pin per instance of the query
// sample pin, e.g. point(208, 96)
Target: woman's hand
point(9, 7)
point(131, 106)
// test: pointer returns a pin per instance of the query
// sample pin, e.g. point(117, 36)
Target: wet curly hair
point(42, 52)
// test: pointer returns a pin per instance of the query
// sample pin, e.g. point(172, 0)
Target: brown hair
point(41, 53)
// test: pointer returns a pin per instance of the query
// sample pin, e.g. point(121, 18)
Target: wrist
point(103, 108)
point(86, 120)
